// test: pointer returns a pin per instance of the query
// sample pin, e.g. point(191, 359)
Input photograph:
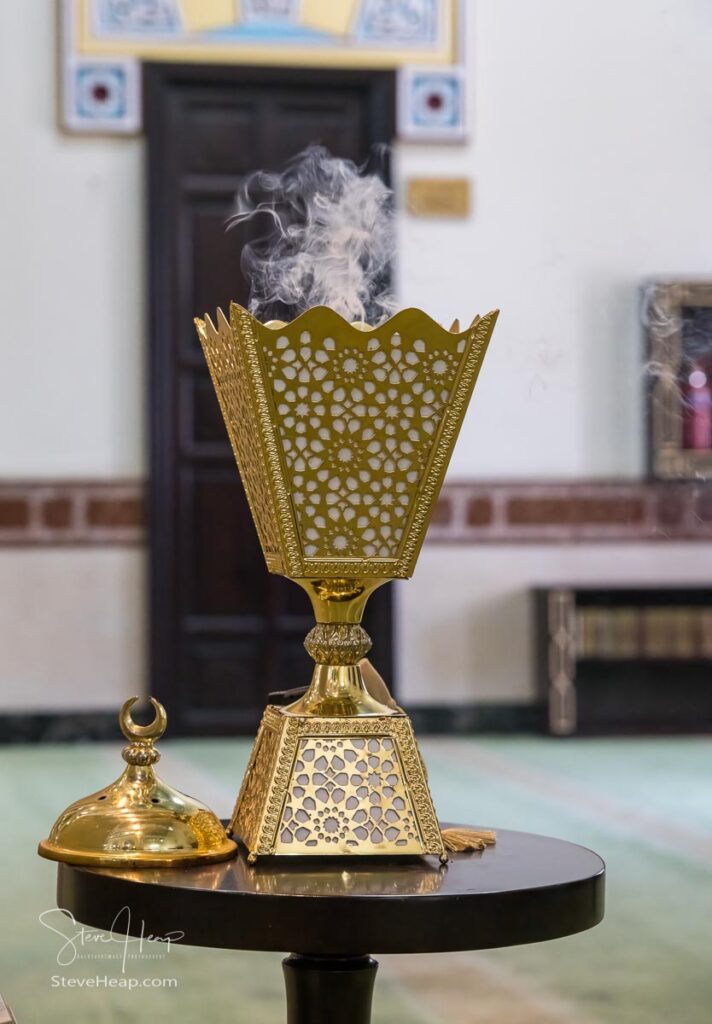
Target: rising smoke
point(331, 243)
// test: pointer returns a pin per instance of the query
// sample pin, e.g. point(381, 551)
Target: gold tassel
point(460, 840)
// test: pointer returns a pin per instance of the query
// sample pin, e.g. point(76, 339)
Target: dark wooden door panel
point(223, 631)
point(336, 121)
point(219, 134)
point(223, 566)
point(208, 258)
point(202, 430)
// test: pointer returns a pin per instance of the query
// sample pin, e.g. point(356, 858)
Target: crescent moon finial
point(153, 731)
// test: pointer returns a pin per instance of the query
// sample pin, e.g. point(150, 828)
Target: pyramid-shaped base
point(335, 787)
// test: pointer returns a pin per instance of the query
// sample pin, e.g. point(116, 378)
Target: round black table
point(527, 888)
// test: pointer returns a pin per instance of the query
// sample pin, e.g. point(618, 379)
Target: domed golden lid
point(139, 820)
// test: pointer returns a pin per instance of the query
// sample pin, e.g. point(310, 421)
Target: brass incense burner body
point(342, 434)
point(337, 644)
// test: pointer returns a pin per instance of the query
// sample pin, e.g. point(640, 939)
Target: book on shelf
point(652, 632)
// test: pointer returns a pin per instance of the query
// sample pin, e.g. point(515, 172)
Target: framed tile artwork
point(432, 104)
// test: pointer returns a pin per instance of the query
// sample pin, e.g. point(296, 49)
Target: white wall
point(591, 160)
point(465, 627)
point(592, 168)
point(71, 274)
point(72, 628)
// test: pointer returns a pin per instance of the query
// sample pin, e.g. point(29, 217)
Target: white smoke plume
point(332, 241)
point(658, 320)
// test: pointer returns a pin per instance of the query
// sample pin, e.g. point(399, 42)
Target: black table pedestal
point(326, 989)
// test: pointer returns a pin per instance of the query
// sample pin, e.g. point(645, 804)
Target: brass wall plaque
point(438, 197)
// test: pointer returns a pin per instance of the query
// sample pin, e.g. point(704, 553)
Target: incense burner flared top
point(342, 434)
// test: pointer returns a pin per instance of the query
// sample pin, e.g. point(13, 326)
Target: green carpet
point(644, 805)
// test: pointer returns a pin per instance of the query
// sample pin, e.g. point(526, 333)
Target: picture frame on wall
point(677, 317)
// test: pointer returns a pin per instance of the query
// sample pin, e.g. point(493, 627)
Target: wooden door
point(224, 632)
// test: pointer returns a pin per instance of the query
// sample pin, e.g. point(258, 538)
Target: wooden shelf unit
point(624, 660)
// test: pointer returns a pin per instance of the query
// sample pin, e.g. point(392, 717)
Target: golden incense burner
point(342, 434)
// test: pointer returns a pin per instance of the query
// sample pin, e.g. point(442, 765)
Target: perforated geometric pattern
point(357, 427)
point(232, 385)
point(343, 436)
point(348, 794)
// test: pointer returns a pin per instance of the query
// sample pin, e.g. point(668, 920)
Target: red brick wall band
point(71, 512)
point(113, 513)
